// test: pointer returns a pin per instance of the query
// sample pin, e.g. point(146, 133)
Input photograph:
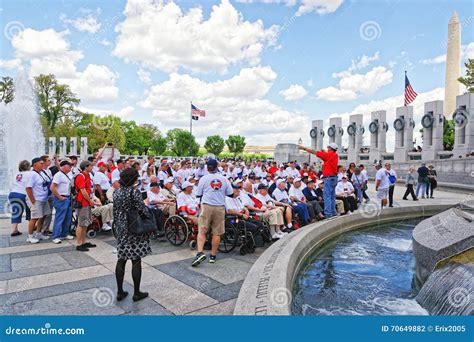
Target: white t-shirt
point(214, 188)
point(265, 199)
point(298, 193)
point(382, 175)
point(159, 197)
point(115, 175)
point(186, 200)
point(162, 175)
point(63, 183)
point(281, 195)
point(346, 188)
point(233, 204)
point(245, 199)
point(292, 172)
point(20, 181)
point(39, 184)
point(102, 180)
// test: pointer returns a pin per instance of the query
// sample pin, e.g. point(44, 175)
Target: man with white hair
point(329, 172)
point(282, 197)
point(382, 184)
point(297, 196)
point(270, 212)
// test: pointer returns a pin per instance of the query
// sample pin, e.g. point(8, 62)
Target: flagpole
point(404, 89)
point(191, 118)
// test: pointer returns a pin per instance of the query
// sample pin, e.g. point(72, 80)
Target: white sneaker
point(32, 239)
point(106, 227)
point(276, 236)
point(40, 236)
point(282, 234)
point(56, 241)
point(69, 237)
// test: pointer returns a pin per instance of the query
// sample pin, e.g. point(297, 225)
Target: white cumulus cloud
point(294, 92)
point(159, 35)
point(233, 106)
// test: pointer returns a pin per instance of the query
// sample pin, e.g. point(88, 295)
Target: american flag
point(410, 94)
point(196, 112)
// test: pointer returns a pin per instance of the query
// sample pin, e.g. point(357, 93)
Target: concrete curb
point(267, 289)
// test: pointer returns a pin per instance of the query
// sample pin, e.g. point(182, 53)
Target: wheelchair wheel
point(73, 225)
point(176, 230)
point(229, 239)
point(193, 244)
point(91, 234)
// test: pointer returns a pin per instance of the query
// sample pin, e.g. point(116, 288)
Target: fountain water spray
point(21, 135)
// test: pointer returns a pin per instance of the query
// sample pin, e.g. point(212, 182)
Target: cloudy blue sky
point(263, 69)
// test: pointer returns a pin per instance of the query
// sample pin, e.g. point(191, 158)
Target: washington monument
point(453, 65)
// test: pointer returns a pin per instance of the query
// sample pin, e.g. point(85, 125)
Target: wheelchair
point(179, 230)
point(92, 229)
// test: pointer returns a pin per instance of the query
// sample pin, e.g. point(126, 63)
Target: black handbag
point(139, 224)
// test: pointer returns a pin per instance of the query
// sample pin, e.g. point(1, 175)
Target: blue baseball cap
point(212, 163)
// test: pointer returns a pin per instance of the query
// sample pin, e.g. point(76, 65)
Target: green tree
point(116, 136)
point(235, 144)
point(182, 143)
point(158, 146)
point(214, 144)
point(468, 80)
point(448, 134)
point(56, 101)
point(7, 90)
point(88, 127)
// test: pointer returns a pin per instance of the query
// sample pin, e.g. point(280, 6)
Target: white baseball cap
point(186, 184)
point(333, 146)
point(296, 180)
point(280, 181)
point(168, 180)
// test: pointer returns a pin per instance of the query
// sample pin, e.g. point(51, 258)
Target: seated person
point(319, 194)
point(282, 198)
point(312, 198)
point(106, 213)
point(233, 206)
point(169, 190)
point(345, 192)
point(188, 204)
point(157, 199)
point(297, 196)
point(270, 212)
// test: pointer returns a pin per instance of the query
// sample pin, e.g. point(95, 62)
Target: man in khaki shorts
point(213, 189)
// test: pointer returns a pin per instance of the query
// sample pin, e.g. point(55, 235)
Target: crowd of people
point(286, 196)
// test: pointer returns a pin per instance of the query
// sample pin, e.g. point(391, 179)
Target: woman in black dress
point(129, 246)
point(432, 182)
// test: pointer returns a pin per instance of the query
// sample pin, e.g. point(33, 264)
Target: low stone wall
point(267, 289)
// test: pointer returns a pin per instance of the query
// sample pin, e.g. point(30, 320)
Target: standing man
point(37, 189)
point(329, 172)
point(213, 189)
point(84, 204)
point(116, 172)
point(101, 182)
point(382, 184)
point(61, 189)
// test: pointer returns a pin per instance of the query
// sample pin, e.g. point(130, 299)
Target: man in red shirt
point(273, 169)
point(84, 204)
point(329, 170)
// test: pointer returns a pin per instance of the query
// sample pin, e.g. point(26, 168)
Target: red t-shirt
point(83, 181)
point(272, 170)
point(331, 159)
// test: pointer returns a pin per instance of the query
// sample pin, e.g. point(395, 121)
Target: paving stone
point(225, 292)
point(35, 248)
point(29, 272)
point(169, 257)
point(46, 280)
point(78, 259)
point(7, 300)
point(60, 249)
point(4, 240)
point(225, 271)
point(221, 309)
point(5, 263)
point(84, 302)
point(33, 262)
point(181, 271)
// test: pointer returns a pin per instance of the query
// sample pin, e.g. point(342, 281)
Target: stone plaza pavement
point(49, 279)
